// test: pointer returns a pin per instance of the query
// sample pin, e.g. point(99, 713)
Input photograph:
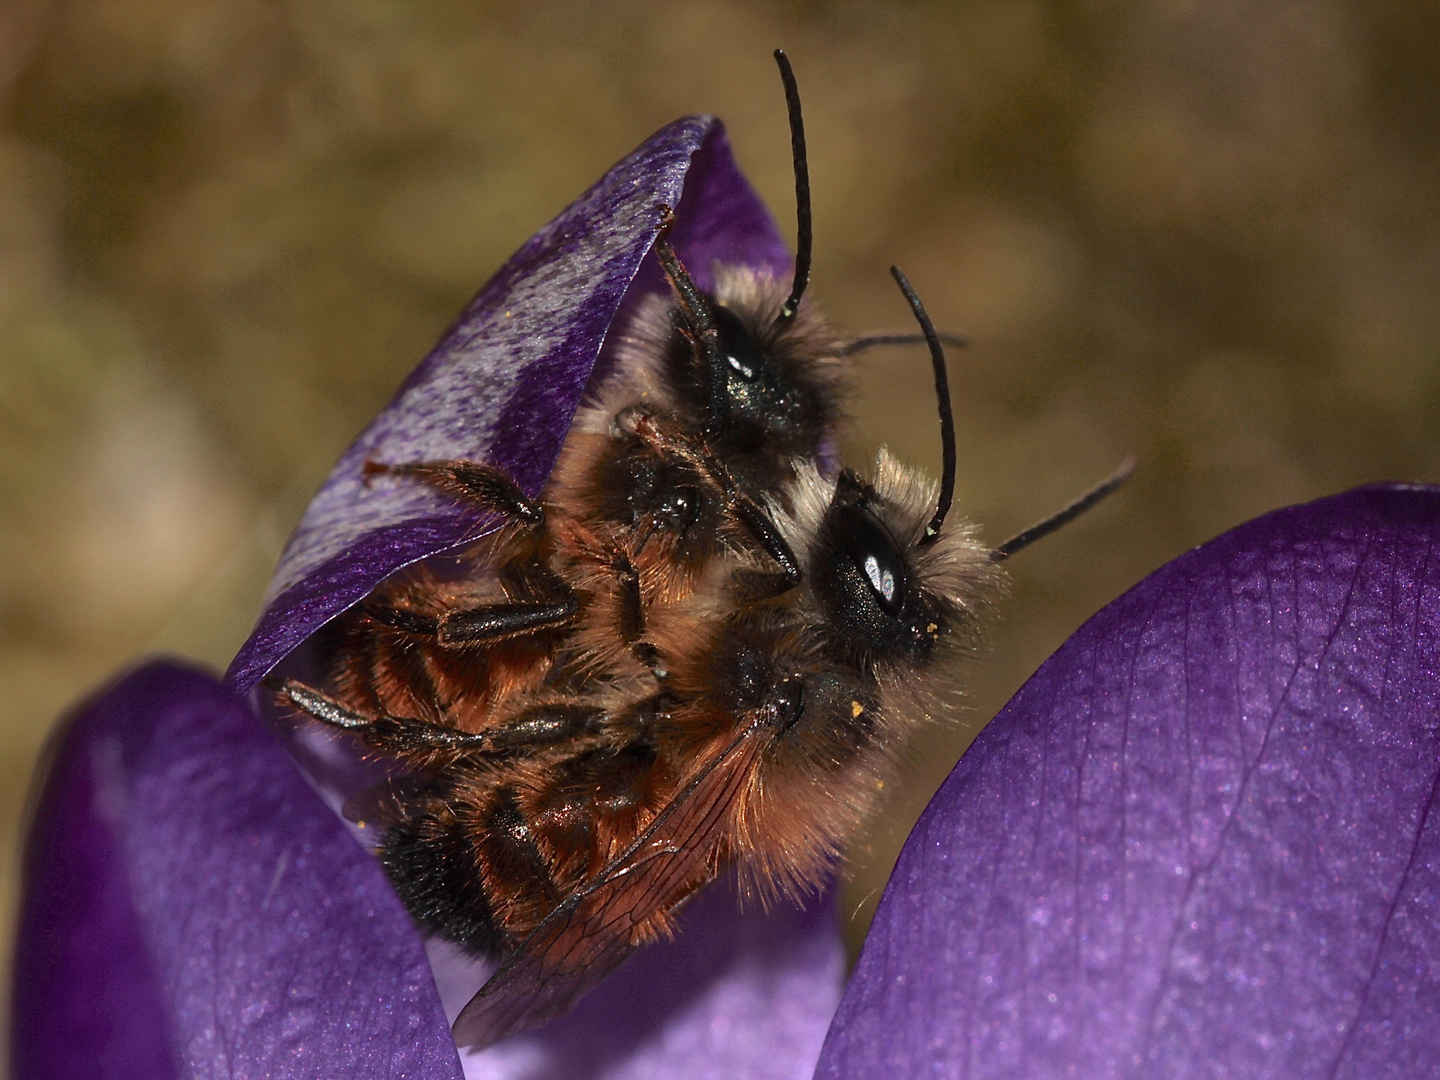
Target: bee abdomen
point(431, 861)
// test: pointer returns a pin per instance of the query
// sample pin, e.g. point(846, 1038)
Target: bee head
point(888, 592)
point(893, 581)
point(747, 360)
point(760, 402)
point(781, 380)
point(865, 581)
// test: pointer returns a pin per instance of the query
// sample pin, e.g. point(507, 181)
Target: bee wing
point(594, 929)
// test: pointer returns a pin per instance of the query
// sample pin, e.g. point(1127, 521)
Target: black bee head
point(761, 401)
point(768, 392)
point(865, 581)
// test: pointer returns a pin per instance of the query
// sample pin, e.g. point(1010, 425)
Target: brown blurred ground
point(1208, 233)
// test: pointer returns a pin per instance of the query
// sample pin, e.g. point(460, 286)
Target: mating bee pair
point(702, 647)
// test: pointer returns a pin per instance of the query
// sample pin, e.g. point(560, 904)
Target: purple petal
point(736, 994)
point(1198, 842)
point(191, 908)
point(504, 382)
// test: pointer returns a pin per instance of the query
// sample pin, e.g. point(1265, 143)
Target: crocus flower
point(1196, 843)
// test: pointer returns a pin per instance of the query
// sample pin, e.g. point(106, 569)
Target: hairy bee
point(699, 649)
point(572, 831)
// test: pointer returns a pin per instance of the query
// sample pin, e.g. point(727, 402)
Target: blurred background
point(1205, 233)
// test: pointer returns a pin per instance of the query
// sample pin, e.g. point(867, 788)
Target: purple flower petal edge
point(1199, 841)
point(736, 994)
point(504, 382)
point(191, 908)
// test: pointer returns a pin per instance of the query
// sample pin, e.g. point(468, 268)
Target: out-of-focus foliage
point(1205, 233)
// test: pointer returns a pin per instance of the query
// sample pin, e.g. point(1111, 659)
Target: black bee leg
point(536, 728)
point(763, 530)
point(632, 608)
point(630, 623)
point(542, 726)
point(478, 625)
point(700, 325)
point(632, 614)
point(756, 522)
point(486, 487)
point(498, 622)
point(415, 623)
point(555, 606)
point(540, 599)
point(395, 734)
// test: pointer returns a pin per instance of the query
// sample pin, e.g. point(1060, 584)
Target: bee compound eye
point(742, 355)
point(686, 506)
point(789, 701)
point(678, 507)
point(876, 556)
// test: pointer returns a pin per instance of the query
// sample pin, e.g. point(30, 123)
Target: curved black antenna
point(942, 394)
point(872, 341)
point(802, 190)
point(1044, 528)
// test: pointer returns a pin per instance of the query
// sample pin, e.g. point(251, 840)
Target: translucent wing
point(593, 930)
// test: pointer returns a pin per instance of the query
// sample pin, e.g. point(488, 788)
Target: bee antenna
point(804, 235)
point(1055, 521)
point(942, 394)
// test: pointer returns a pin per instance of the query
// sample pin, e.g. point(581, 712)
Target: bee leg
point(764, 532)
point(554, 605)
point(498, 622)
point(486, 487)
point(403, 619)
point(539, 599)
point(537, 727)
point(632, 615)
point(632, 607)
point(482, 625)
point(396, 734)
point(700, 325)
point(541, 726)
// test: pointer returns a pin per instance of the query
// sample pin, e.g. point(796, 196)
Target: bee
point(701, 648)
point(576, 830)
